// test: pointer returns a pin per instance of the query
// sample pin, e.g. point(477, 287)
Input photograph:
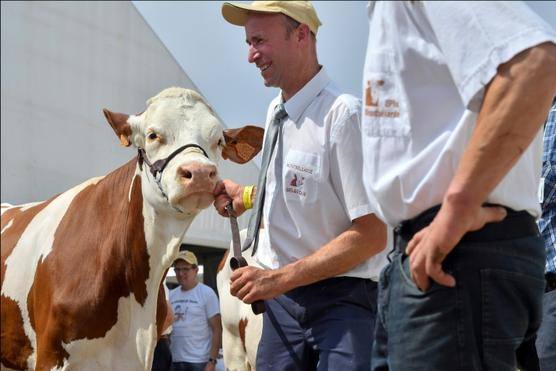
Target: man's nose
point(252, 54)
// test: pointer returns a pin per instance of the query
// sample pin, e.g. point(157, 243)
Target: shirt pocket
point(384, 104)
point(302, 172)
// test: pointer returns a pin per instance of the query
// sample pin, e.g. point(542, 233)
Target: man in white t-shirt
point(197, 332)
point(454, 96)
point(323, 245)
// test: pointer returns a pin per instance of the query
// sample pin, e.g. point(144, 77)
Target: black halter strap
point(158, 166)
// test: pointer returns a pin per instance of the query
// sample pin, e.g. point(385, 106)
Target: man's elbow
point(547, 63)
point(373, 232)
point(537, 65)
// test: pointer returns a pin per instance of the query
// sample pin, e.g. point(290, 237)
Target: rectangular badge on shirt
point(301, 172)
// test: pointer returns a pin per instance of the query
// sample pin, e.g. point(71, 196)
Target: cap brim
point(235, 14)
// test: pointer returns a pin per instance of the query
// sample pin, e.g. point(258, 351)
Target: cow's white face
point(174, 118)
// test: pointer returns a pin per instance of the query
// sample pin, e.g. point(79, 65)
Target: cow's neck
point(163, 234)
point(164, 230)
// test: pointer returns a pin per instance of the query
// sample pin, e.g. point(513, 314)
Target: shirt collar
point(297, 104)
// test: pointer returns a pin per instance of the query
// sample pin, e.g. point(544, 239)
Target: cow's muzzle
point(158, 166)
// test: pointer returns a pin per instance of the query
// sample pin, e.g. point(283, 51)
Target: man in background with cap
point(197, 332)
point(323, 246)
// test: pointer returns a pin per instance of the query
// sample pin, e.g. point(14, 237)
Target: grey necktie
point(273, 131)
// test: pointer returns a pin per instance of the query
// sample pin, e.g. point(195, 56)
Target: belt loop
point(397, 237)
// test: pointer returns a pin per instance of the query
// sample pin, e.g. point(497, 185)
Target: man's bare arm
point(366, 237)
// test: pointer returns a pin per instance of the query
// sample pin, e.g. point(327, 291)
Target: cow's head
point(180, 141)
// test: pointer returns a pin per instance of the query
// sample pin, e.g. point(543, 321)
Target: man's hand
point(428, 248)
point(226, 191)
point(250, 284)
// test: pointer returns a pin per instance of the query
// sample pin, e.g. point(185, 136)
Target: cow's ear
point(242, 144)
point(119, 124)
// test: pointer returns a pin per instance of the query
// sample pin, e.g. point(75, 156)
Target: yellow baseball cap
point(187, 256)
point(301, 11)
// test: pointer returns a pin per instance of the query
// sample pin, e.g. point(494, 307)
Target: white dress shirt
point(314, 181)
point(426, 70)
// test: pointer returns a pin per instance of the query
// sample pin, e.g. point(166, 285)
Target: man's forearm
point(216, 342)
point(365, 238)
point(513, 110)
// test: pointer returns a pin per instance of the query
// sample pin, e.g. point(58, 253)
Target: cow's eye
point(220, 142)
point(152, 136)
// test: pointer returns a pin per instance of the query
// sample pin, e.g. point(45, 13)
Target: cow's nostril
point(197, 173)
point(187, 174)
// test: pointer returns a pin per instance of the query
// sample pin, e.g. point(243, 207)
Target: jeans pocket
point(416, 317)
point(410, 284)
point(511, 310)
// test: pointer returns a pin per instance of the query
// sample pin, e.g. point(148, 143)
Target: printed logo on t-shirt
point(179, 313)
point(376, 105)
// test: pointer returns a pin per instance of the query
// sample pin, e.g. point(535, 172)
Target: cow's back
point(241, 328)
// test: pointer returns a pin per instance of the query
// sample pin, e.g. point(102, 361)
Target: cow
point(241, 328)
point(81, 272)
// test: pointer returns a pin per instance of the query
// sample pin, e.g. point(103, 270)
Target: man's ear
point(119, 124)
point(303, 33)
point(242, 144)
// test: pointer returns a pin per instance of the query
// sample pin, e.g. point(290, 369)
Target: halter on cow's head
point(176, 156)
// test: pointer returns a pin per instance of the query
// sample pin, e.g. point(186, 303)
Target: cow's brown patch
point(16, 346)
point(9, 215)
point(164, 316)
point(242, 325)
point(20, 220)
point(222, 261)
point(99, 255)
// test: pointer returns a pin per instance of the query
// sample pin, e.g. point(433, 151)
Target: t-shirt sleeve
point(477, 38)
point(212, 307)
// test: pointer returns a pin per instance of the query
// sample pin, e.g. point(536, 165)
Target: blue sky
point(214, 54)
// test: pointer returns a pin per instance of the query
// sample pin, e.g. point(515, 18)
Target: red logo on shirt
point(296, 184)
point(376, 105)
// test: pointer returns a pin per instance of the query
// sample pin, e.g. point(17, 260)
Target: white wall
point(61, 63)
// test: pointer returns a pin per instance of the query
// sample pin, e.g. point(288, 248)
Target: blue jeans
point(328, 325)
point(188, 366)
point(546, 337)
point(162, 360)
point(477, 325)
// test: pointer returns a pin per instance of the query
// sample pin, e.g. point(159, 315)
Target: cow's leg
point(14, 343)
point(50, 353)
point(235, 358)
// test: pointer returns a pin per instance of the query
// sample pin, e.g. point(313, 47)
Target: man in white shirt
point(323, 246)
point(196, 332)
point(455, 94)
